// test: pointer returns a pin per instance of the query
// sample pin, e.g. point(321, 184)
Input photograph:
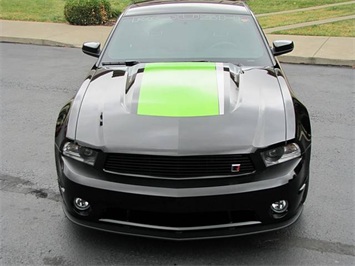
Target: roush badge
point(235, 168)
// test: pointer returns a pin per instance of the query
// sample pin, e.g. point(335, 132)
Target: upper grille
point(177, 166)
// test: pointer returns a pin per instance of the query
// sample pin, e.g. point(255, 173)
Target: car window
point(188, 37)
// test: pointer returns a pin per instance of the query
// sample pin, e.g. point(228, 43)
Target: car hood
point(182, 109)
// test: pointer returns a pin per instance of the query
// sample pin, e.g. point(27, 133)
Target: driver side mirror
point(282, 47)
point(91, 48)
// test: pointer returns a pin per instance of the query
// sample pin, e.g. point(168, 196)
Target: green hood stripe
point(179, 90)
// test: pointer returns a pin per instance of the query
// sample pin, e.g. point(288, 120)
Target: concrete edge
point(316, 61)
point(283, 59)
point(35, 41)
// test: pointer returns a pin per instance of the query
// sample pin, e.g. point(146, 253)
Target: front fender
point(62, 123)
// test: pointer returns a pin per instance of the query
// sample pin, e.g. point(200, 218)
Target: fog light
point(81, 204)
point(279, 206)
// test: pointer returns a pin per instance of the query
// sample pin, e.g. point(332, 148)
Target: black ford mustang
point(185, 128)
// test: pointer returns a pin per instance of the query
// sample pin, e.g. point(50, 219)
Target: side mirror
point(282, 47)
point(91, 48)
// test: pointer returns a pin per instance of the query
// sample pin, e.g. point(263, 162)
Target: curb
point(283, 59)
point(316, 61)
point(35, 42)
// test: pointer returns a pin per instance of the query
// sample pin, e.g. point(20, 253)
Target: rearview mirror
point(91, 48)
point(282, 47)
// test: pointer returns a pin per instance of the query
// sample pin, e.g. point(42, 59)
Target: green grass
point(32, 10)
point(119, 4)
point(52, 11)
point(267, 6)
point(305, 16)
point(42, 10)
point(344, 28)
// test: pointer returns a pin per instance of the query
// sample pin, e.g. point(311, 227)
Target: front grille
point(177, 166)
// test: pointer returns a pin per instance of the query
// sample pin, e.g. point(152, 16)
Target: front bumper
point(184, 213)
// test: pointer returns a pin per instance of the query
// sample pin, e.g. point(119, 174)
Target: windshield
point(188, 37)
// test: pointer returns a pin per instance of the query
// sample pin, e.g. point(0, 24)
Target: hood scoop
point(182, 89)
point(132, 74)
point(101, 119)
point(235, 71)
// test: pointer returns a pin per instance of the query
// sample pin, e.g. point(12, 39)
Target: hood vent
point(235, 72)
point(132, 74)
point(101, 119)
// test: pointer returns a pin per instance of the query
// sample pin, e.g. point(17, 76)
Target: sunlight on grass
point(344, 28)
point(33, 10)
point(263, 6)
point(305, 16)
point(42, 10)
point(52, 11)
point(120, 4)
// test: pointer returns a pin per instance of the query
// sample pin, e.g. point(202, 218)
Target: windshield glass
point(188, 37)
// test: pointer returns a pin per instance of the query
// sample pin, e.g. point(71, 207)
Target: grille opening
point(179, 219)
point(177, 166)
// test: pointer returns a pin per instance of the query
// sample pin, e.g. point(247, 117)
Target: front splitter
point(177, 235)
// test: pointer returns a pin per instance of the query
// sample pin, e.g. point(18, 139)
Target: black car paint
point(106, 198)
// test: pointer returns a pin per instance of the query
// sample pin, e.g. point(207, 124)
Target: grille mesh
point(177, 166)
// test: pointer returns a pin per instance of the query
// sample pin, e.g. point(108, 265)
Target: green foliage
point(87, 12)
point(115, 13)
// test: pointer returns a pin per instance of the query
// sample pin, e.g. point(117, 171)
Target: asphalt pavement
point(36, 81)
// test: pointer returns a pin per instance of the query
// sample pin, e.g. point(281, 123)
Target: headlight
point(281, 154)
point(79, 153)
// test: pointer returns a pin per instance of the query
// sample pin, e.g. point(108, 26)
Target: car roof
point(186, 6)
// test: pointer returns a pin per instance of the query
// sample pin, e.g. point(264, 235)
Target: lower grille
point(178, 166)
point(182, 221)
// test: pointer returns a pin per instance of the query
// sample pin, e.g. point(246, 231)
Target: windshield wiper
point(121, 63)
point(218, 61)
point(197, 61)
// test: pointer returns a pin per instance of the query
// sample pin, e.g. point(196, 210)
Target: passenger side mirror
point(282, 47)
point(91, 48)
